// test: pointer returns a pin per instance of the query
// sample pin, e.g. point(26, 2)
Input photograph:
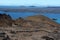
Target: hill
point(36, 27)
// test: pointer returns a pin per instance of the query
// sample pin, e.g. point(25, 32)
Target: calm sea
point(16, 15)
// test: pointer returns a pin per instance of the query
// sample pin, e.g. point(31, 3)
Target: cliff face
point(5, 20)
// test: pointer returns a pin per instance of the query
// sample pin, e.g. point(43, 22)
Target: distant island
point(32, 9)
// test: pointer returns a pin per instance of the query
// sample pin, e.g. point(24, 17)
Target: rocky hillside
point(36, 27)
point(43, 19)
point(5, 20)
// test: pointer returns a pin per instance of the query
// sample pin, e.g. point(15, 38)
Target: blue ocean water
point(16, 15)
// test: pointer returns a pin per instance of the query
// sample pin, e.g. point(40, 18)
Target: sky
point(30, 2)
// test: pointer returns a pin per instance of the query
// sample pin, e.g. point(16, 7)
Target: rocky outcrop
point(5, 20)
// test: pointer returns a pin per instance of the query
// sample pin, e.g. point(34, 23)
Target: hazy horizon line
point(29, 6)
